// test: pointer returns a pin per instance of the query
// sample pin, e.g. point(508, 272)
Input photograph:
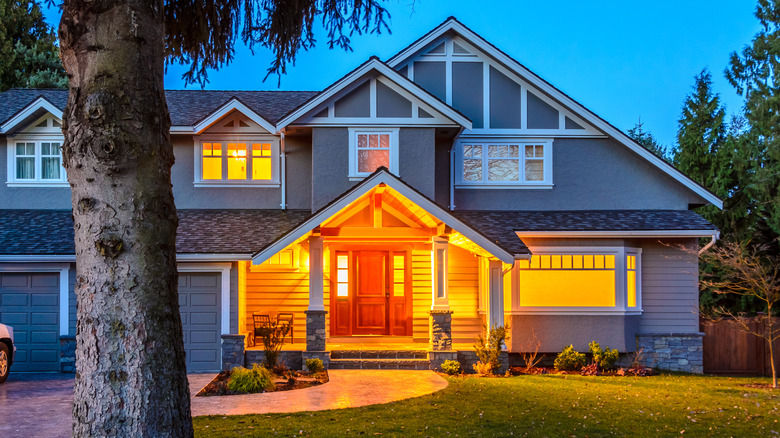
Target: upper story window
point(370, 149)
point(526, 163)
point(35, 161)
point(237, 161)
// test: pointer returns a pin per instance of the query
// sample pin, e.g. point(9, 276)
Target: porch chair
point(286, 319)
point(259, 320)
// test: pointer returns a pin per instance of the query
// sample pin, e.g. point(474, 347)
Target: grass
point(540, 406)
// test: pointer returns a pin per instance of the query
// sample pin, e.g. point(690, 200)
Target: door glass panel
point(399, 275)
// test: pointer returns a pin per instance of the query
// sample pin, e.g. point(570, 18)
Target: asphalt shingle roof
point(491, 222)
point(187, 107)
point(38, 232)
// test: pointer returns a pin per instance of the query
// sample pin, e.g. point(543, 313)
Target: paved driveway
point(36, 405)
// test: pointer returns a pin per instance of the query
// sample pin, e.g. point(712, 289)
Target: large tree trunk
point(130, 370)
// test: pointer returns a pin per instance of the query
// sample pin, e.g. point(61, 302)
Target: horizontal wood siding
point(463, 279)
point(670, 292)
point(421, 293)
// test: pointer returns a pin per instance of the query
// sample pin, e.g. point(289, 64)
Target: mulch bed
point(293, 380)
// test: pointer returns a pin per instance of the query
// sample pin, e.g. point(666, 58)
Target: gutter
point(709, 245)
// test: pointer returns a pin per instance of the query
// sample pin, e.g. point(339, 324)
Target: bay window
point(504, 164)
point(602, 280)
point(241, 161)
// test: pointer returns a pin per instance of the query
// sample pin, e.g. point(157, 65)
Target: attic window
point(238, 161)
point(370, 149)
point(36, 161)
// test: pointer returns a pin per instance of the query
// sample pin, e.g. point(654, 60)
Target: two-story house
point(401, 209)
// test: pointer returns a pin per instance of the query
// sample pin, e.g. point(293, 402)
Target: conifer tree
point(648, 141)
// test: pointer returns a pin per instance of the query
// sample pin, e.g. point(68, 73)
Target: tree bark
point(130, 370)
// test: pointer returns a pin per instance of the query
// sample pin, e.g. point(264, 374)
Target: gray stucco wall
point(330, 162)
point(558, 331)
point(589, 174)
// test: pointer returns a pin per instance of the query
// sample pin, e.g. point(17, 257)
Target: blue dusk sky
point(622, 60)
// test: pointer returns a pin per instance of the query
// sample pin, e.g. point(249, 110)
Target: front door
point(370, 293)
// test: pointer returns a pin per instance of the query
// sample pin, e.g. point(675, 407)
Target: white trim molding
point(64, 271)
point(29, 110)
point(224, 270)
point(618, 233)
point(248, 140)
point(354, 174)
point(219, 113)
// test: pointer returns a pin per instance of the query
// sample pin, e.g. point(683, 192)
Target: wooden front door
point(371, 294)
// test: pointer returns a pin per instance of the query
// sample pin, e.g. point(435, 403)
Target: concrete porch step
point(379, 354)
point(380, 364)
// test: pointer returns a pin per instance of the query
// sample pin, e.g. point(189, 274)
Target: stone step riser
point(360, 354)
point(379, 364)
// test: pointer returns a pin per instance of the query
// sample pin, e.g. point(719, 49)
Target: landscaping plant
point(530, 352)
point(315, 365)
point(272, 335)
point(451, 367)
point(244, 381)
point(489, 350)
point(605, 359)
point(569, 360)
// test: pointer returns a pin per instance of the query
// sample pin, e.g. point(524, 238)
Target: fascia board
point(577, 108)
point(232, 104)
point(27, 111)
point(616, 233)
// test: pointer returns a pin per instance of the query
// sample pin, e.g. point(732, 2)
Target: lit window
point(499, 164)
point(399, 275)
point(36, 161)
point(570, 280)
point(342, 275)
point(631, 279)
point(370, 150)
point(230, 163)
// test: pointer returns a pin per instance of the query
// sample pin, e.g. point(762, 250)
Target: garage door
point(29, 302)
point(199, 304)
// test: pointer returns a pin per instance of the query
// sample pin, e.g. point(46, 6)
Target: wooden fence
point(729, 350)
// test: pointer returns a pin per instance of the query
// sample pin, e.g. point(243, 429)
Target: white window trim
point(547, 183)
point(354, 175)
point(621, 288)
point(198, 141)
point(38, 181)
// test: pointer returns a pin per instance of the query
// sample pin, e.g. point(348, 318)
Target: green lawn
point(541, 406)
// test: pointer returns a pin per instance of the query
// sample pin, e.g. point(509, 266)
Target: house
point(401, 209)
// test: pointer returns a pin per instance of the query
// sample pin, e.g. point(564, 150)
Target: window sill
point(504, 186)
point(578, 311)
point(238, 184)
point(37, 184)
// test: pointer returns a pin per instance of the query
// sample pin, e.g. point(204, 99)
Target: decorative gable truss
point(496, 99)
point(374, 95)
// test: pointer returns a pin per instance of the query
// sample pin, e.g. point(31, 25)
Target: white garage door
point(199, 304)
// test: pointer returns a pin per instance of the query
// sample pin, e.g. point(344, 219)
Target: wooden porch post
point(495, 304)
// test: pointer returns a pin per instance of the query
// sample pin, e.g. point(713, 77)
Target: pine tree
point(755, 74)
point(29, 56)
point(701, 133)
point(646, 140)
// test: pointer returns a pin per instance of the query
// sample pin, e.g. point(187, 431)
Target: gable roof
point(377, 65)
point(186, 107)
point(501, 249)
point(453, 25)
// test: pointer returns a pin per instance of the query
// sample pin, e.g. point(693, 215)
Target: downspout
point(709, 245)
point(452, 169)
point(283, 170)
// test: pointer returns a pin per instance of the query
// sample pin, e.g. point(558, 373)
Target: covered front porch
point(380, 273)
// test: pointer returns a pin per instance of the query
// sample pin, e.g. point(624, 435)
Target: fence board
point(729, 350)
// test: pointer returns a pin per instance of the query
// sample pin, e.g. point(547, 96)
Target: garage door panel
point(10, 281)
point(43, 337)
point(12, 299)
point(44, 357)
point(21, 355)
point(21, 337)
point(16, 319)
point(199, 305)
point(38, 319)
point(50, 300)
point(46, 281)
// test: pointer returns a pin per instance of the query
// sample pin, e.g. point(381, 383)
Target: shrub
point(590, 370)
point(489, 350)
point(272, 336)
point(451, 367)
point(569, 360)
point(605, 359)
point(315, 365)
point(246, 381)
point(482, 368)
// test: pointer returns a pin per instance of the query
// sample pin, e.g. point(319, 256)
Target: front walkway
point(346, 389)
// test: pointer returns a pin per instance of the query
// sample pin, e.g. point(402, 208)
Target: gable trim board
point(39, 103)
point(374, 64)
point(452, 24)
point(63, 269)
point(224, 110)
point(383, 176)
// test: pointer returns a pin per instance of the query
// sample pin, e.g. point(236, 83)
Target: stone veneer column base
point(67, 354)
point(673, 351)
point(441, 330)
point(436, 358)
point(232, 351)
point(324, 356)
point(315, 330)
